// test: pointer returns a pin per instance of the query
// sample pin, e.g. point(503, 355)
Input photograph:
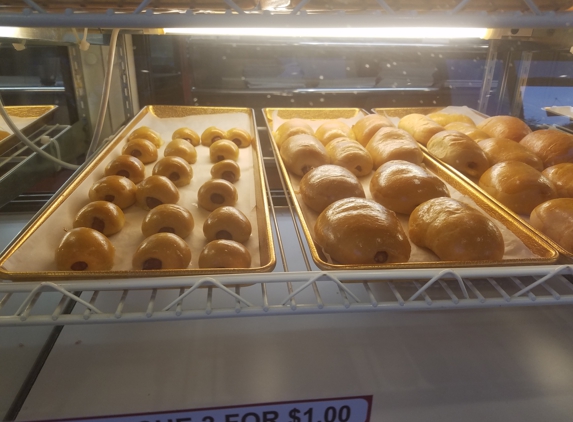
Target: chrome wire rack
point(295, 287)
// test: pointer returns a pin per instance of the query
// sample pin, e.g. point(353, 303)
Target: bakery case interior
point(268, 61)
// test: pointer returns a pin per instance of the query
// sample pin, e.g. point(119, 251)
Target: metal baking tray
point(544, 253)
point(169, 118)
point(38, 116)
point(566, 256)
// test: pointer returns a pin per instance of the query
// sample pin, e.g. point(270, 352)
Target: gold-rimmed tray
point(30, 256)
point(395, 113)
point(523, 247)
point(27, 118)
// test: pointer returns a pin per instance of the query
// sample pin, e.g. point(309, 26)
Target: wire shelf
point(295, 287)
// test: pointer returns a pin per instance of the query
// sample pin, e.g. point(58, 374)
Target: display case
point(269, 54)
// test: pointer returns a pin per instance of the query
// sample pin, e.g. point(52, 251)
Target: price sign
point(347, 409)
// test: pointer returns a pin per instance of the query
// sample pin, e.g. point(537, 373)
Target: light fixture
point(386, 32)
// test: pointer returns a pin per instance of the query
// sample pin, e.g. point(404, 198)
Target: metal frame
point(35, 16)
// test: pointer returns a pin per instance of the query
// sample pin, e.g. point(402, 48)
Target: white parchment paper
point(37, 253)
point(514, 247)
point(20, 122)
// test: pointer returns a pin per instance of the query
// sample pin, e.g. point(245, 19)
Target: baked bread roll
point(459, 151)
point(554, 219)
point(226, 169)
point(149, 134)
point(326, 184)
point(212, 134)
point(217, 193)
point(141, 149)
point(162, 251)
point(517, 186)
point(507, 127)
point(365, 128)
point(302, 153)
point(420, 127)
point(85, 249)
point(401, 186)
point(471, 130)
point(348, 153)
point(223, 149)
point(394, 144)
point(168, 218)
point(116, 189)
point(239, 137)
point(103, 216)
point(561, 175)
point(444, 119)
point(552, 146)
point(227, 223)
point(360, 231)
point(290, 128)
point(126, 166)
point(156, 190)
point(333, 129)
point(224, 254)
point(455, 231)
point(4, 134)
point(499, 149)
point(175, 169)
point(181, 148)
point(188, 135)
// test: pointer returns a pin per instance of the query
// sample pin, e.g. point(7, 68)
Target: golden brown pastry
point(116, 189)
point(224, 254)
point(217, 193)
point(499, 149)
point(126, 166)
point(561, 175)
point(471, 130)
point(156, 190)
point(394, 144)
point(226, 169)
point(175, 169)
point(103, 216)
point(444, 119)
point(141, 149)
point(181, 148)
point(420, 127)
point(187, 134)
point(239, 137)
point(401, 186)
point(361, 231)
point(333, 129)
point(326, 184)
point(168, 218)
point(290, 128)
point(455, 231)
point(554, 218)
point(348, 153)
point(144, 132)
point(4, 134)
point(85, 249)
point(517, 186)
point(212, 134)
point(459, 151)
point(162, 251)
point(302, 153)
point(507, 127)
point(552, 146)
point(227, 223)
point(223, 149)
point(365, 128)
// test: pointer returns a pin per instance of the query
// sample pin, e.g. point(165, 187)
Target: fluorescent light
point(9, 32)
point(398, 33)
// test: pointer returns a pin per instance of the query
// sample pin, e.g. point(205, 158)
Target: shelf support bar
point(385, 6)
point(557, 271)
point(460, 6)
point(531, 4)
point(437, 277)
point(141, 6)
point(35, 6)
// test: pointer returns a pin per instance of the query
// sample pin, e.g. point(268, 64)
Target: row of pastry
point(166, 224)
point(502, 151)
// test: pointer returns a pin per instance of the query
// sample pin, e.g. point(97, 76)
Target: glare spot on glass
point(434, 102)
point(292, 100)
point(393, 101)
point(421, 101)
point(348, 68)
point(311, 103)
point(432, 55)
point(321, 77)
point(366, 65)
point(388, 65)
point(394, 63)
point(269, 96)
point(224, 58)
point(404, 72)
point(243, 78)
point(195, 99)
point(196, 104)
point(440, 56)
point(322, 100)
